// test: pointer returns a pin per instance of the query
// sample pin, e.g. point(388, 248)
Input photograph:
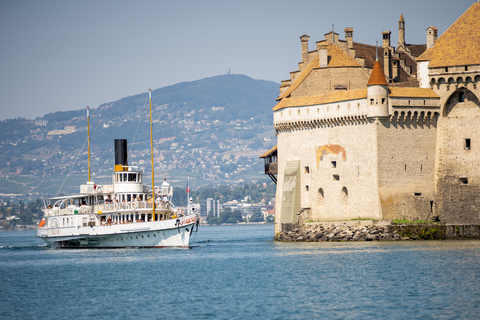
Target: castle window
point(336, 177)
point(371, 101)
point(306, 188)
point(461, 96)
point(466, 68)
point(417, 194)
point(383, 100)
point(321, 196)
point(408, 102)
point(334, 164)
point(446, 69)
point(344, 196)
point(320, 193)
point(467, 144)
point(307, 169)
point(463, 179)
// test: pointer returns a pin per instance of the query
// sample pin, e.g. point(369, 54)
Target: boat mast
point(88, 134)
point(151, 153)
point(188, 195)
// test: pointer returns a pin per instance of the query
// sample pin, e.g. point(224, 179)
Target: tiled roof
point(377, 76)
point(412, 92)
point(321, 99)
point(460, 44)
point(339, 58)
point(269, 152)
point(427, 55)
point(417, 49)
point(366, 52)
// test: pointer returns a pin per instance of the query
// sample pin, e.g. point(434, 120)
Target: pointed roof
point(401, 18)
point(460, 44)
point(377, 76)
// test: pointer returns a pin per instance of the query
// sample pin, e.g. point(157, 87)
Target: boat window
point(132, 177)
point(129, 197)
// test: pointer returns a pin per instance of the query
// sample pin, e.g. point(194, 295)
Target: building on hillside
point(212, 207)
point(381, 132)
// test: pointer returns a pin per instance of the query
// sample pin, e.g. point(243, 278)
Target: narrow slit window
point(307, 169)
point(468, 144)
point(371, 101)
point(336, 177)
point(334, 164)
point(307, 188)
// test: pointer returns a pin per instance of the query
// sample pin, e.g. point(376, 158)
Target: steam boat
point(123, 214)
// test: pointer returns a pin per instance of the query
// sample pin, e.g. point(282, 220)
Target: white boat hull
point(167, 233)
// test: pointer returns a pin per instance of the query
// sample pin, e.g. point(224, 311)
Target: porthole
point(154, 235)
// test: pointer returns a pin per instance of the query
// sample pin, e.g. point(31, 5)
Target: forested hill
point(214, 127)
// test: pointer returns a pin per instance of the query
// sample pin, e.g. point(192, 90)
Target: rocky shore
point(374, 230)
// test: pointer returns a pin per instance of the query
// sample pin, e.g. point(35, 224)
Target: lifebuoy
point(42, 223)
point(99, 188)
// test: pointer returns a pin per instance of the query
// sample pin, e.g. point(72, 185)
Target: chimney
point(431, 36)
point(349, 37)
point(304, 39)
point(401, 32)
point(322, 55)
point(386, 39)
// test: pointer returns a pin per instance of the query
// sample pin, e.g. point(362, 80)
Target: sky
point(58, 55)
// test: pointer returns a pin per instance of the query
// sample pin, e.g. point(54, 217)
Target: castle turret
point(377, 93)
point(401, 32)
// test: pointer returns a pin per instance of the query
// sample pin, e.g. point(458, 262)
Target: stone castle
point(381, 132)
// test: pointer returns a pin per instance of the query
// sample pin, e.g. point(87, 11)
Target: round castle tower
point(377, 93)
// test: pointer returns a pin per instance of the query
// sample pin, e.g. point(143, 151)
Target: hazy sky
point(65, 55)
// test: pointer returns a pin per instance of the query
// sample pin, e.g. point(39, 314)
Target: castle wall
point(335, 148)
point(458, 180)
point(325, 80)
point(406, 162)
point(338, 172)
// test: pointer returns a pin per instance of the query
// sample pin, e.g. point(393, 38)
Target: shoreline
point(375, 230)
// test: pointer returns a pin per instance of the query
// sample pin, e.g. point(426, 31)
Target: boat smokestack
point(121, 159)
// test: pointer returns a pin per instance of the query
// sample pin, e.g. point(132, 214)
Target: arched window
point(321, 196)
point(344, 196)
point(461, 96)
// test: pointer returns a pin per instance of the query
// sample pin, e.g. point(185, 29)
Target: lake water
point(238, 272)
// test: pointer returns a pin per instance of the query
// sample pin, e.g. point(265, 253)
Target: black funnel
point(121, 158)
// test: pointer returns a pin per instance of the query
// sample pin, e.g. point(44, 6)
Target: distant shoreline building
point(381, 132)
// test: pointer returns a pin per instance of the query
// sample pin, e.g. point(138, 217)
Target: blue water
point(240, 273)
